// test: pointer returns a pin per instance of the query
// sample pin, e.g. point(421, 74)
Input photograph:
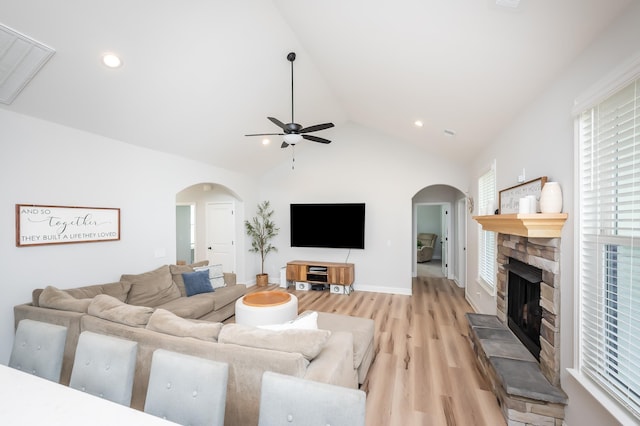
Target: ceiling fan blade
point(316, 127)
point(316, 139)
point(284, 145)
point(266, 134)
point(278, 123)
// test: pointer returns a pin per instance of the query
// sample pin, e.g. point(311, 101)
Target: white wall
point(541, 140)
point(44, 163)
point(359, 166)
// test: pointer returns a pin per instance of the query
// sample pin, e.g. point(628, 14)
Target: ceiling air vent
point(20, 59)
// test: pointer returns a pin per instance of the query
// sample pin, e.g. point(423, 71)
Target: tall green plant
point(262, 229)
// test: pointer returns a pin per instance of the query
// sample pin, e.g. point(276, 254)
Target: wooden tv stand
point(332, 273)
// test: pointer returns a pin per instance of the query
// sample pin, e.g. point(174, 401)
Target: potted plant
point(262, 229)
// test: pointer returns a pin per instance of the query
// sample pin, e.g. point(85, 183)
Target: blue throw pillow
point(197, 282)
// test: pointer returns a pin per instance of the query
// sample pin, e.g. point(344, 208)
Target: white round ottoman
point(266, 307)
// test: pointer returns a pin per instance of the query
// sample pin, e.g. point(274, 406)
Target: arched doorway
point(207, 212)
point(441, 209)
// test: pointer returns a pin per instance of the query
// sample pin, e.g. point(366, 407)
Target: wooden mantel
point(539, 225)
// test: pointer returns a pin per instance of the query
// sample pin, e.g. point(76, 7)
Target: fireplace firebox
point(523, 304)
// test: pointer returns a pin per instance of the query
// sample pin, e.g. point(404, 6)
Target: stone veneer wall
point(543, 253)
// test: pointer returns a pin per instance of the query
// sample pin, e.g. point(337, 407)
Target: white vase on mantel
point(551, 198)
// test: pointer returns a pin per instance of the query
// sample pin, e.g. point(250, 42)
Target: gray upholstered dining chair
point(289, 400)
point(187, 390)
point(38, 348)
point(104, 366)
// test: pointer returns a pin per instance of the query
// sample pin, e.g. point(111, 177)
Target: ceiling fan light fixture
point(292, 138)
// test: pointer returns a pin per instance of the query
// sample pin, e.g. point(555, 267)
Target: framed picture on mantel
point(509, 198)
point(40, 225)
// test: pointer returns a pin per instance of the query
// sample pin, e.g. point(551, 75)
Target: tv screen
point(328, 225)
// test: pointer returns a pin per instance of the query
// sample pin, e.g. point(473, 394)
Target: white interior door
point(220, 235)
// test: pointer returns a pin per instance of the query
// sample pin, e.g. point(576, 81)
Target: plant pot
point(262, 280)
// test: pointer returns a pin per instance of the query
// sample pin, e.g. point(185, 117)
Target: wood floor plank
point(424, 369)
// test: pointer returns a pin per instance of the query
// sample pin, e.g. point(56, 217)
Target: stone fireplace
point(543, 254)
point(518, 349)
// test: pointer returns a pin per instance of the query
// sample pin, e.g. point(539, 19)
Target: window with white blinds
point(609, 260)
point(487, 239)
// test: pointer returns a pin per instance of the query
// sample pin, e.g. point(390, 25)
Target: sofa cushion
point(178, 270)
point(216, 276)
point(117, 289)
point(54, 298)
point(308, 343)
point(151, 288)
point(202, 304)
point(361, 328)
point(227, 295)
point(306, 321)
point(197, 282)
point(167, 322)
point(109, 308)
point(191, 307)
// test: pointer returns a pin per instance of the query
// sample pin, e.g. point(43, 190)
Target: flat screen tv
point(328, 225)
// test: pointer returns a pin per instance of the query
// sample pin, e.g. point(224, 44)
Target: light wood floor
point(424, 371)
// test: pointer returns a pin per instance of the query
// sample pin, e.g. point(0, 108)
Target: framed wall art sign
point(509, 198)
point(40, 225)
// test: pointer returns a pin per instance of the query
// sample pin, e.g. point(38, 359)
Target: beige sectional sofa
point(318, 355)
point(160, 288)
point(192, 325)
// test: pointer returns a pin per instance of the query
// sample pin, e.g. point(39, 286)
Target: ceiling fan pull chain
point(293, 157)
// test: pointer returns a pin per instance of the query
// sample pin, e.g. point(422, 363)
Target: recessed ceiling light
point(266, 141)
point(111, 60)
point(418, 123)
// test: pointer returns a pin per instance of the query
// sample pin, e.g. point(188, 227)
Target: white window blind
point(487, 240)
point(609, 191)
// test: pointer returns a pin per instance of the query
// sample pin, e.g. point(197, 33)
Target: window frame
point(487, 207)
point(609, 87)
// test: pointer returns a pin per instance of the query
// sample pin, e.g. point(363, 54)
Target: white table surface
point(30, 400)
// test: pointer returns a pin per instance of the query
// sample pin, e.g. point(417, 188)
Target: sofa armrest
point(334, 364)
point(35, 297)
point(229, 278)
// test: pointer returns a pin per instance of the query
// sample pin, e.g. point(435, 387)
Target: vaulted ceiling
point(198, 75)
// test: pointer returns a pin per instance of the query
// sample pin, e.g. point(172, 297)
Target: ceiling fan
point(294, 132)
